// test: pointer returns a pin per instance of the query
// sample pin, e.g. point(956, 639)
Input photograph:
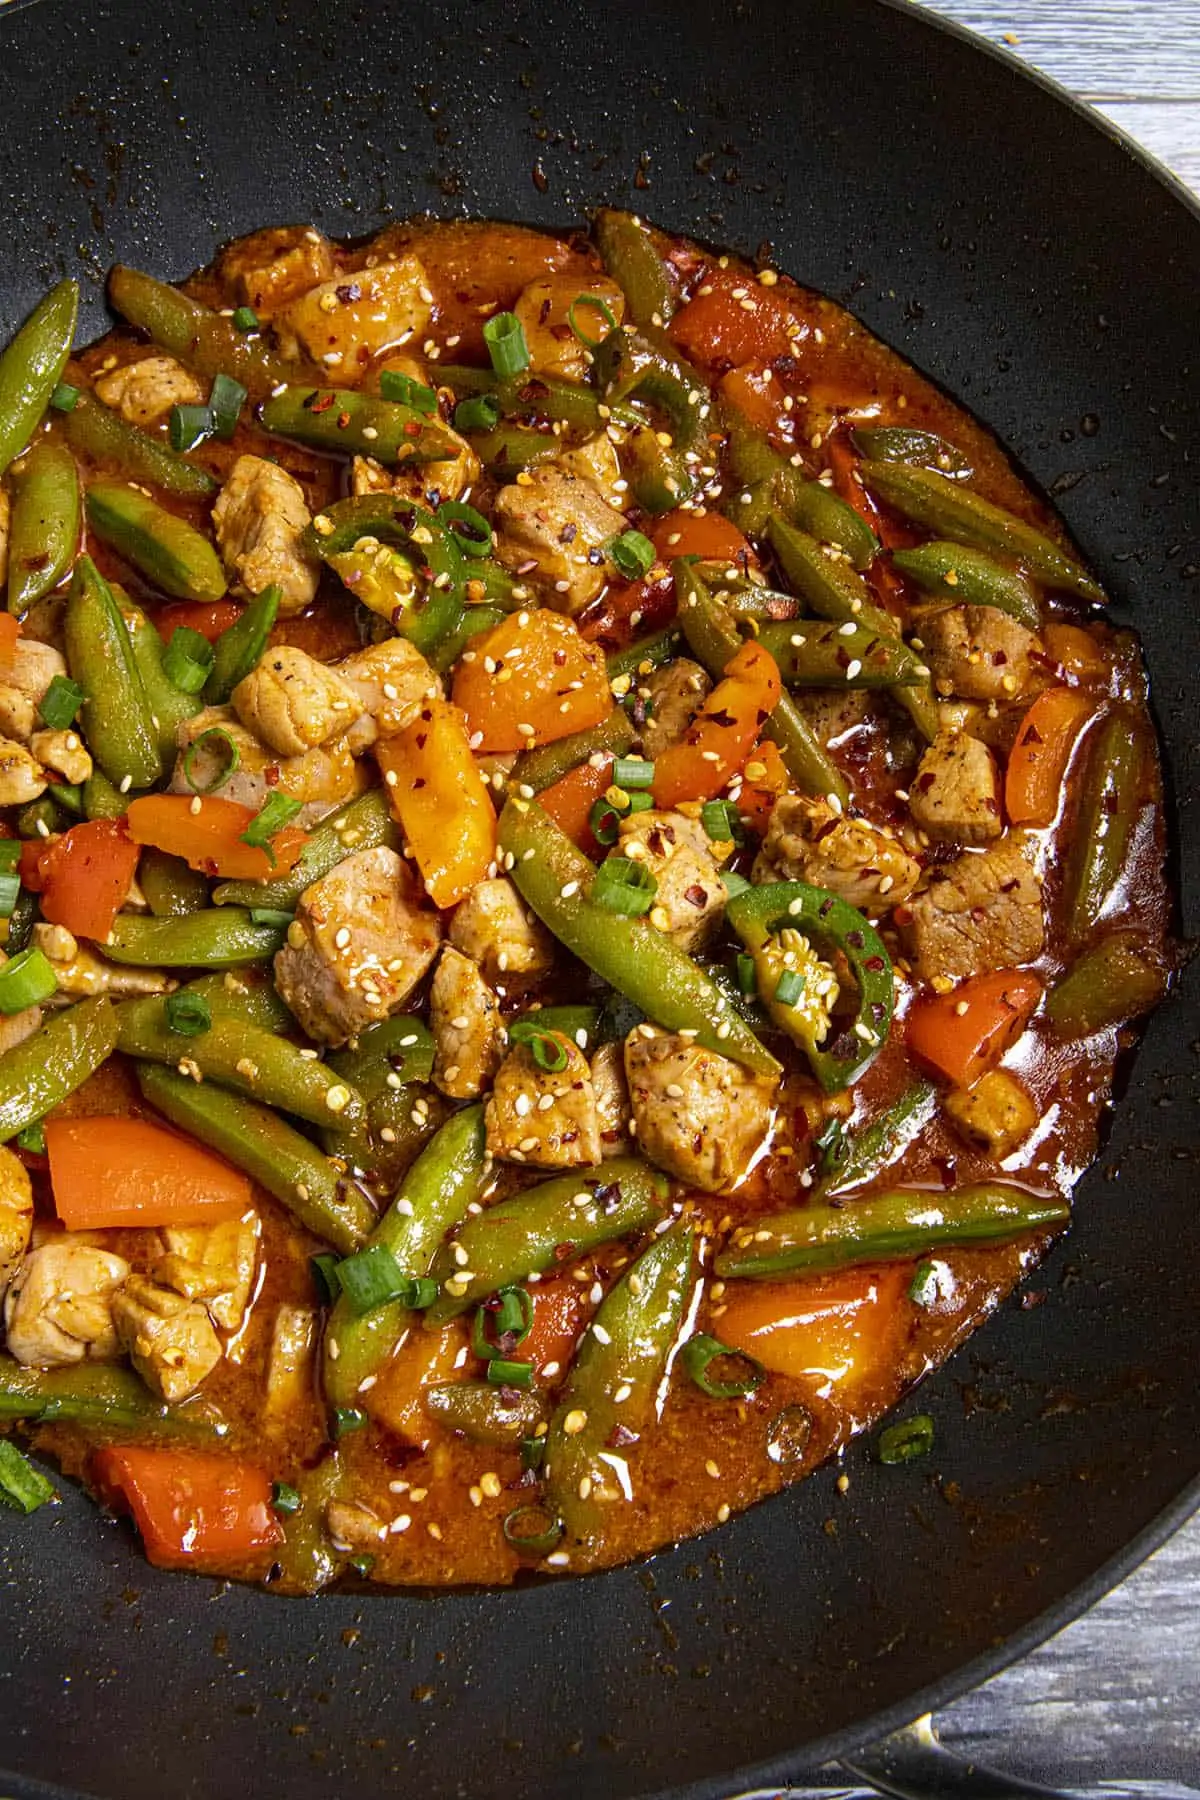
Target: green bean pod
point(214, 939)
point(627, 251)
point(614, 1381)
point(841, 656)
point(542, 767)
point(104, 1398)
point(881, 1142)
point(555, 879)
point(97, 432)
point(529, 396)
point(205, 340)
point(307, 1559)
point(31, 367)
point(401, 1046)
point(497, 1416)
point(169, 706)
point(272, 1152)
point(347, 422)
point(243, 1056)
point(647, 654)
point(952, 511)
point(1109, 803)
point(161, 546)
point(115, 717)
point(713, 639)
point(508, 449)
point(886, 1227)
point(908, 444)
point(1108, 985)
point(237, 650)
point(523, 1236)
point(964, 577)
point(243, 997)
point(645, 367)
point(170, 886)
point(770, 483)
point(362, 824)
point(44, 534)
point(101, 800)
point(446, 1178)
point(39, 1073)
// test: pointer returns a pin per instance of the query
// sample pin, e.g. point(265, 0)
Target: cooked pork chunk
point(59, 1306)
point(865, 864)
point(955, 794)
point(494, 926)
point(392, 681)
point(259, 517)
point(596, 460)
point(271, 268)
point(24, 686)
point(674, 694)
point(548, 1120)
point(612, 1099)
point(170, 1341)
point(289, 1364)
point(144, 392)
point(464, 1016)
point(697, 1115)
point(545, 311)
point(426, 483)
point(214, 1264)
point(22, 777)
point(65, 753)
point(321, 779)
point(358, 946)
point(293, 703)
point(979, 653)
point(345, 322)
point(552, 529)
point(16, 1214)
point(982, 912)
point(689, 903)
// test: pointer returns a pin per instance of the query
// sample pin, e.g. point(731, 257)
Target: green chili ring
point(701, 1351)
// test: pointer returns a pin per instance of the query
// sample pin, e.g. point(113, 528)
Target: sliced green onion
point(363, 1565)
point(548, 1051)
point(631, 554)
point(789, 987)
point(245, 318)
point(371, 1278)
point(480, 413)
point(504, 336)
point(10, 854)
point(931, 1282)
point(65, 398)
point(733, 884)
point(622, 886)
point(394, 384)
point(189, 426)
point(233, 757)
point(721, 822)
point(188, 1014)
point(907, 1440)
point(285, 1500)
point(532, 1530)
point(502, 1373)
point(188, 659)
point(468, 528)
point(502, 1323)
point(831, 1142)
point(60, 703)
point(225, 402)
point(276, 812)
point(640, 801)
point(324, 1271)
point(594, 303)
point(10, 890)
point(32, 1139)
point(604, 821)
point(26, 980)
point(633, 772)
point(271, 915)
point(747, 976)
point(533, 1453)
point(419, 1292)
point(347, 1419)
point(22, 1487)
point(701, 1351)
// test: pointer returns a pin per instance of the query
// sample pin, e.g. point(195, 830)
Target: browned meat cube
point(982, 912)
point(955, 794)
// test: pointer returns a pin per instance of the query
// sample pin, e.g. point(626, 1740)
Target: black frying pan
point(1034, 264)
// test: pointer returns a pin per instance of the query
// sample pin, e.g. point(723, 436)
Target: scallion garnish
point(592, 303)
point(533, 1453)
point(324, 1272)
point(26, 980)
point(60, 703)
point(33, 1139)
point(347, 1419)
point(469, 529)
point(188, 659)
point(285, 1500)
point(532, 1530)
point(502, 1373)
point(22, 1487)
point(633, 772)
point(188, 426)
point(10, 889)
point(604, 821)
point(504, 336)
point(742, 1376)
point(225, 402)
point(622, 886)
point(10, 854)
point(188, 1014)
point(747, 976)
point(733, 884)
point(480, 413)
point(271, 915)
point(906, 1440)
point(394, 384)
point(721, 822)
point(789, 987)
point(631, 554)
point(502, 1323)
point(65, 398)
point(276, 811)
point(546, 1048)
point(372, 1278)
point(216, 736)
point(245, 318)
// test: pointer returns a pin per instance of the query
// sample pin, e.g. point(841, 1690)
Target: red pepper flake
point(352, 291)
point(412, 429)
point(696, 895)
point(343, 419)
point(318, 402)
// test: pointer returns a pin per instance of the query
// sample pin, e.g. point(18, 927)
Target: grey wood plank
point(1171, 132)
point(1102, 49)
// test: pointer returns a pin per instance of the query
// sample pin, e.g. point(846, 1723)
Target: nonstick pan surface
point(1020, 254)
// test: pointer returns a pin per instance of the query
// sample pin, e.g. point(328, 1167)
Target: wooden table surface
point(1112, 1703)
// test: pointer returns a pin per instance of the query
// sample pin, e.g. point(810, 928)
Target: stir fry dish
point(576, 857)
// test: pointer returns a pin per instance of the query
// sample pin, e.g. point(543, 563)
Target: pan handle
point(914, 1764)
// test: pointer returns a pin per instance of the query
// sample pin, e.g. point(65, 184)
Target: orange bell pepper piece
point(759, 395)
point(531, 679)
point(1076, 652)
point(569, 801)
point(82, 876)
point(209, 617)
point(420, 1360)
point(734, 319)
point(195, 1509)
point(207, 833)
point(830, 1332)
point(760, 792)
point(10, 631)
point(558, 1313)
point(708, 535)
point(964, 1033)
point(721, 736)
point(440, 801)
point(1038, 760)
point(107, 1172)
